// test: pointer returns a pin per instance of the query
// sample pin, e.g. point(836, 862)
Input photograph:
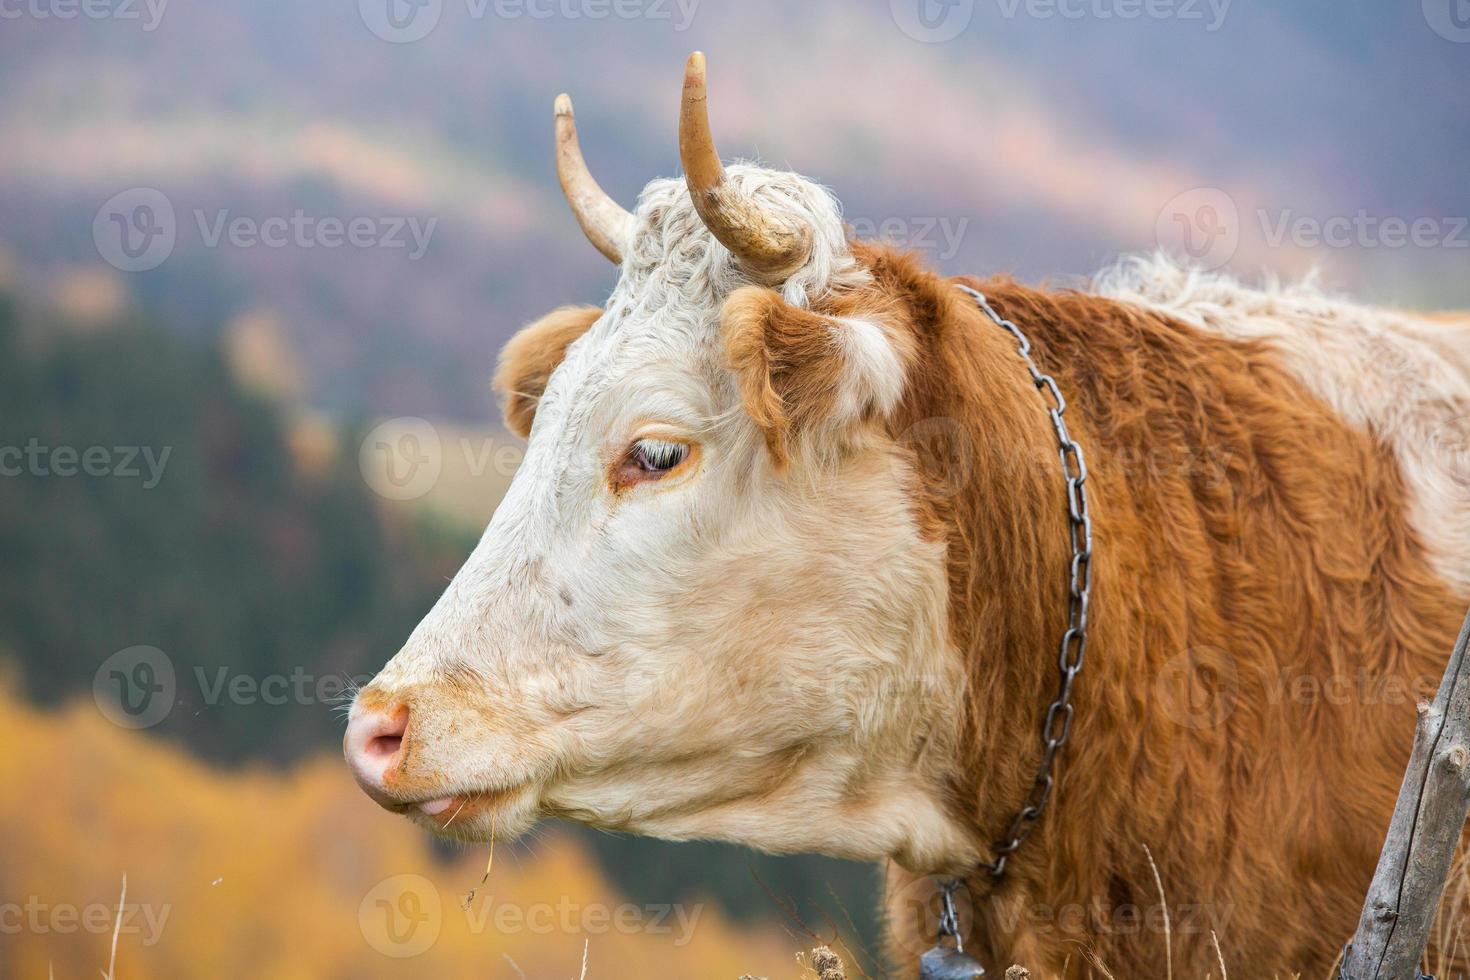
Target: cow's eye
point(649, 459)
point(657, 456)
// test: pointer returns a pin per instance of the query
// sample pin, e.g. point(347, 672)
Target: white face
point(664, 632)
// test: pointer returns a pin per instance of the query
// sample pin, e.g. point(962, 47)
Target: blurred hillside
point(1046, 145)
point(208, 527)
point(289, 875)
point(161, 522)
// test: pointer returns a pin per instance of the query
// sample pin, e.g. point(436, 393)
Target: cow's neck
point(994, 493)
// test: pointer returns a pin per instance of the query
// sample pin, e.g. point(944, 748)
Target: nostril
point(382, 746)
point(373, 743)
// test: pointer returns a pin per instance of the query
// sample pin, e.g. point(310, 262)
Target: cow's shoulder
point(1403, 377)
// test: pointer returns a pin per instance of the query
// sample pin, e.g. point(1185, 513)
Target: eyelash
point(657, 456)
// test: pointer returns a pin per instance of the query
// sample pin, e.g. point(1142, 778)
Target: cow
point(793, 546)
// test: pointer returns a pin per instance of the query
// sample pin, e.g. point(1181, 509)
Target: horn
point(767, 246)
point(607, 226)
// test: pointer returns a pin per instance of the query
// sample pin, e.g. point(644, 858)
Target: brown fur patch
point(532, 354)
point(1252, 548)
point(789, 361)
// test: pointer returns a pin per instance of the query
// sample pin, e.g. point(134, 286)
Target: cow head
point(705, 607)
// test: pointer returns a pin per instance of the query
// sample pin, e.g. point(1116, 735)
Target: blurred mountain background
point(1056, 141)
point(1044, 146)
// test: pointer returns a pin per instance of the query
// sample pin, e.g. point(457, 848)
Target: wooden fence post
point(1422, 837)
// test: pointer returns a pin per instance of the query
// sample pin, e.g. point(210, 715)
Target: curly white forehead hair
point(693, 241)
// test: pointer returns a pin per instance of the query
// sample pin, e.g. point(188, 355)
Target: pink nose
point(373, 746)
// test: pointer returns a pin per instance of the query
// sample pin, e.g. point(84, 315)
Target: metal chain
point(949, 919)
point(1057, 727)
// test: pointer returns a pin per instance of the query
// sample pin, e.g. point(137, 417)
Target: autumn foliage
point(267, 874)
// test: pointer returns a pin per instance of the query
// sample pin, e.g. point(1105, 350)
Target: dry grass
point(1164, 904)
point(1224, 973)
point(1451, 957)
point(122, 901)
point(1448, 958)
point(820, 964)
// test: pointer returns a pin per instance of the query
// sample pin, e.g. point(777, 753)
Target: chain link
point(1057, 727)
point(949, 919)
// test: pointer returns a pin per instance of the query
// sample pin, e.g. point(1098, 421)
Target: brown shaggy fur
point(788, 362)
point(1263, 617)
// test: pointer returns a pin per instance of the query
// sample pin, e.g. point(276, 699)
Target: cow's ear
point(527, 361)
point(803, 372)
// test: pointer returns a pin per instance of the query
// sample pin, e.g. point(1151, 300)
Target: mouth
point(466, 815)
